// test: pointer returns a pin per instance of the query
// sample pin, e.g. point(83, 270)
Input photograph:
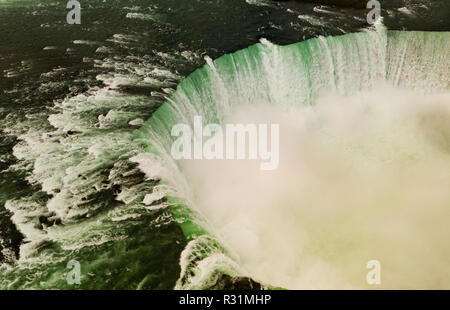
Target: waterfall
point(321, 90)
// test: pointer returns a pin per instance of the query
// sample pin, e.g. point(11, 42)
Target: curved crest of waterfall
point(282, 78)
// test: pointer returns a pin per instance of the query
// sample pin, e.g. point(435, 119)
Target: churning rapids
point(364, 167)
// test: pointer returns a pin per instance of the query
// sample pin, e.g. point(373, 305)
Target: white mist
point(360, 178)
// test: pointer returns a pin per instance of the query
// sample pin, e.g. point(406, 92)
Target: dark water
point(127, 56)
